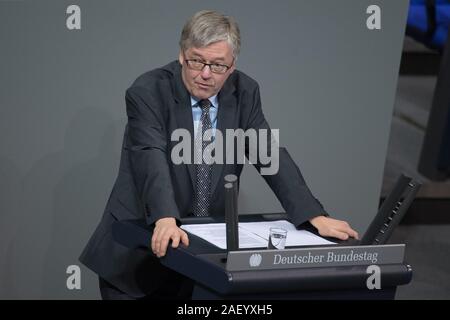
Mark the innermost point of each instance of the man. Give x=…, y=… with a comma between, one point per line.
x=199, y=92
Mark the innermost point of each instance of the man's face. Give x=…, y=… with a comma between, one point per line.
x=204, y=83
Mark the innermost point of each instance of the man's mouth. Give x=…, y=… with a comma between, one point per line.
x=203, y=86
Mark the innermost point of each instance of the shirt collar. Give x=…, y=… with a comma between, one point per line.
x=214, y=101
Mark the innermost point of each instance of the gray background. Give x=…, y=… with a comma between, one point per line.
x=326, y=81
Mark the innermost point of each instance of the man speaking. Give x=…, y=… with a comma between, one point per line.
x=203, y=93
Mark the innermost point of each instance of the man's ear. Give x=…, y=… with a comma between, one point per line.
x=181, y=58
x=233, y=67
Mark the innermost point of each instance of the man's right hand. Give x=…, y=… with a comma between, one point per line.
x=166, y=229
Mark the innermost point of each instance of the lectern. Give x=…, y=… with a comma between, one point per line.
x=215, y=278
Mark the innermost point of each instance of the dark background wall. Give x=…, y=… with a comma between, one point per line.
x=326, y=81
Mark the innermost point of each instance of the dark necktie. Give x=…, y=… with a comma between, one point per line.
x=203, y=170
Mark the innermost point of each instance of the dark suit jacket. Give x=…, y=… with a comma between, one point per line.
x=149, y=185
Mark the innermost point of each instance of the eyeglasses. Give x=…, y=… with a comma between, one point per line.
x=198, y=65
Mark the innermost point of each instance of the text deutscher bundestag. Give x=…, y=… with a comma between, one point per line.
x=330, y=257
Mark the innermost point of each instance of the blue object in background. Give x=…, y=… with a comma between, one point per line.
x=428, y=22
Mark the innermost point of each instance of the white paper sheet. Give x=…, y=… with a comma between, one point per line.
x=254, y=234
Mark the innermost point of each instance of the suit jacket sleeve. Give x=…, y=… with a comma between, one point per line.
x=148, y=149
x=288, y=183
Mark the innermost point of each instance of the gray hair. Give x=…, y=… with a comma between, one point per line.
x=206, y=27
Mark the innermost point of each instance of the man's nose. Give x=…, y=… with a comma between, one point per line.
x=206, y=72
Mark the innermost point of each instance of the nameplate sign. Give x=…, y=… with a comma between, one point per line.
x=315, y=257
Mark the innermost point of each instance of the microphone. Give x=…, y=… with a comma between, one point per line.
x=231, y=212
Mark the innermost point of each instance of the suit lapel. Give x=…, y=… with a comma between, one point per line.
x=183, y=114
x=225, y=120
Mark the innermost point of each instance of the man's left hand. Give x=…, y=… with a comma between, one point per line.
x=329, y=227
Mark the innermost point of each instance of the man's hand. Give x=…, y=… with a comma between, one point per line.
x=329, y=227
x=166, y=229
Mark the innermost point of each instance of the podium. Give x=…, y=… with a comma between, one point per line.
x=206, y=265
